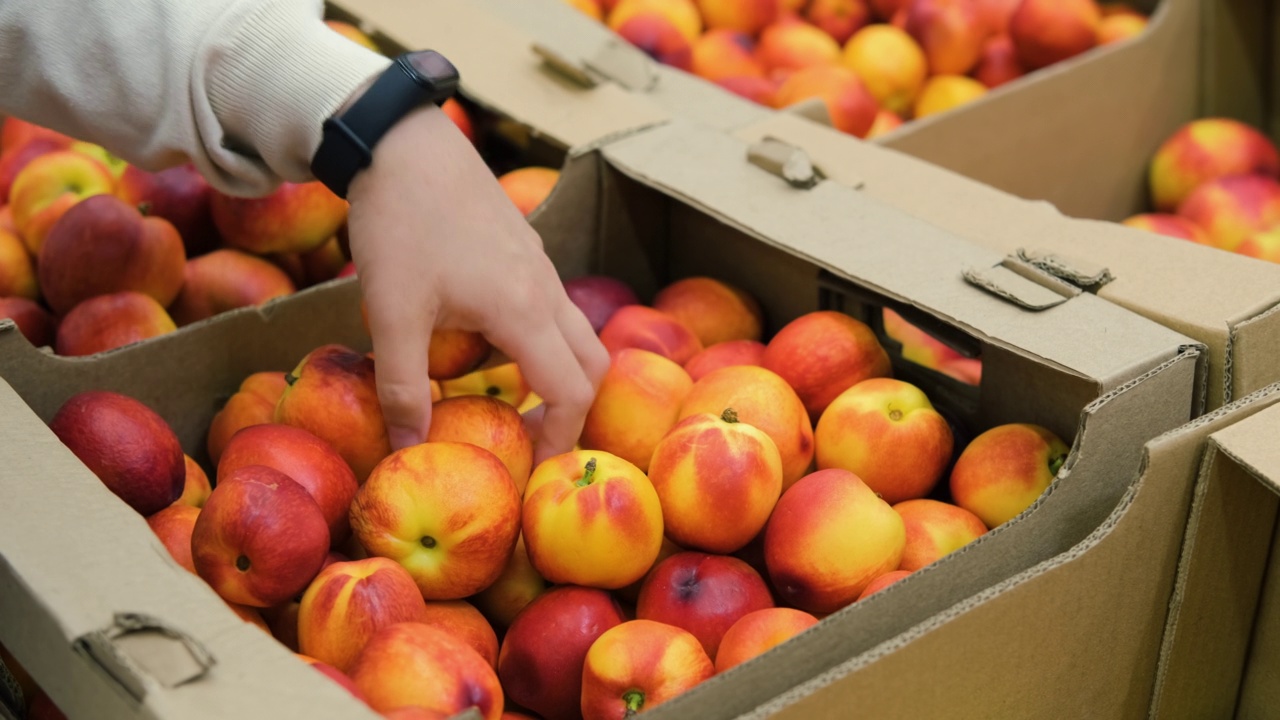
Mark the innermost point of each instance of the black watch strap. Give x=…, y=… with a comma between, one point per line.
x=348, y=139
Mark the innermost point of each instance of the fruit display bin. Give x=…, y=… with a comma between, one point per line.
x=111, y=627
x=1035, y=136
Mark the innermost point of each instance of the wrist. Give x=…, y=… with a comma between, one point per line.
x=350, y=136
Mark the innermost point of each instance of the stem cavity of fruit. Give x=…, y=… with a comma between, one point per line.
x=493, y=391
x=635, y=702
x=242, y=563
x=589, y=473
x=1055, y=463
x=428, y=542
x=144, y=208
x=729, y=415
x=895, y=415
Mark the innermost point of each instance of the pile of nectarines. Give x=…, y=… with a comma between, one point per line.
x=727, y=493
x=1214, y=182
x=96, y=253
x=874, y=63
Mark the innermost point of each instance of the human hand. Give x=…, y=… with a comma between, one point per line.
x=438, y=244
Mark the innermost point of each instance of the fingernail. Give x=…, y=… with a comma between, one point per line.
x=402, y=438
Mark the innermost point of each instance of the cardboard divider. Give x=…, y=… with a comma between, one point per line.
x=186, y=381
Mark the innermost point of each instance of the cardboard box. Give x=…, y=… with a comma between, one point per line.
x=1080, y=635
x=557, y=100
x=1225, y=301
x=1099, y=116
x=670, y=202
x=92, y=604
x=1221, y=649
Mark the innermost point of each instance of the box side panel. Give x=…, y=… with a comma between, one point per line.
x=1260, y=692
x=1237, y=48
x=1213, y=607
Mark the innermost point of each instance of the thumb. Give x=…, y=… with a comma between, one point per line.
x=404, y=390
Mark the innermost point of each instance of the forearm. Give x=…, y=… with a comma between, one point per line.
x=240, y=87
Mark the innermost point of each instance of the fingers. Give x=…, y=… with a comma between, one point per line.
x=404, y=390
x=584, y=342
x=554, y=372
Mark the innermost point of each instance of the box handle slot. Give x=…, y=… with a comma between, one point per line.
x=136, y=646
x=1080, y=273
x=612, y=62
x=785, y=161
x=1022, y=284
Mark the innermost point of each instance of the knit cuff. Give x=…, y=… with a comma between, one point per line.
x=276, y=77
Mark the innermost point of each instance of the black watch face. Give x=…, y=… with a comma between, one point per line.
x=432, y=66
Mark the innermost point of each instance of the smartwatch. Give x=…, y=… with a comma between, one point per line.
x=346, y=146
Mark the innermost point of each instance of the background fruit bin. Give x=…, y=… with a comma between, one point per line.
x=1033, y=137
x=649, y=209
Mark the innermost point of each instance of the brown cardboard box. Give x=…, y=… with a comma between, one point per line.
x=1098, y=116
x=92, y=605
x=1079, y=635
x=1228, y=302
x=1222, y=649
x=666, y=203
x=561, y=106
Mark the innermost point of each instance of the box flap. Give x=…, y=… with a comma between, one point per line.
x=855, y=237
x=558, y=25
x=1201, y=292
x=1225, y=553
x=501, y=71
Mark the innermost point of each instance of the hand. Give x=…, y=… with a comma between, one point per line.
x=438, y=244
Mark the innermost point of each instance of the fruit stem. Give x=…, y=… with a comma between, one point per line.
x=634, y=700
x=290, y=379
x=1055, y=463
x=589, y=473
x=144, y=207
x=729, y=415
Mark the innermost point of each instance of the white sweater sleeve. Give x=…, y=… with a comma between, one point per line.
x=239, y=87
